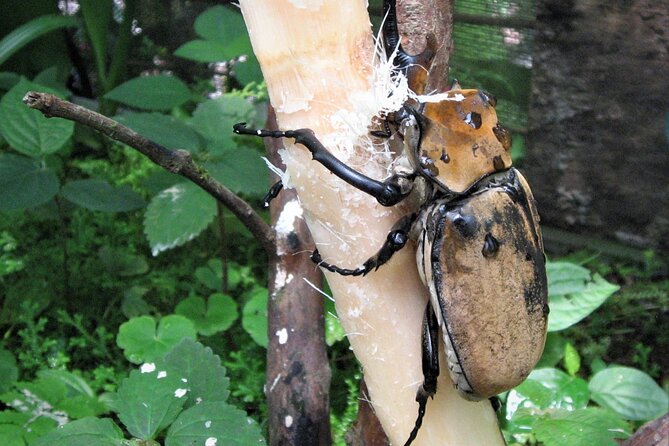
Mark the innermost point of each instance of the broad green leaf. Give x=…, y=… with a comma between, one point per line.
x=84, y=432
x=55, y=78
x=566, y=278
x=572, y=360
x=150, y=399
x=220, y=24
x=204, y=51
x=546, y=389
x=23, y=428
x=120, y=262
x=8, y=80
x=177, y=215
x=206, y=380
x=163, y=129
x=216, y=423
x=99, y=195
x=211, y=275
x=584, y=427
x=243, y=171
x=213, y=316
x=27, y=130
x=65, y=394
x=553, y=351
x=24, y=182
x=214, y=119
x=151, y=92
x=26, y=33
x=573, y=294
x=254, y=316
x=9, y=373
x=629, y=392
x=141, y=341
x=248, y=71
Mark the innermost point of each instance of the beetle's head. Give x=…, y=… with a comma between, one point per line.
x=460, y=140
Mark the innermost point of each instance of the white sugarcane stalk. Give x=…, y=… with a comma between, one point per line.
x=317, y=58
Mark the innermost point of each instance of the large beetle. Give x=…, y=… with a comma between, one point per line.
x=479, y=246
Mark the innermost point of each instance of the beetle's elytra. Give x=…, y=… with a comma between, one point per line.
x=479, y=246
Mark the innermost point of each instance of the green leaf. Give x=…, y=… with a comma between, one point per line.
x=566, y=278
x=120, y=262
x=584, y=427
x=248, y=71
x=243, y=171
x=8, y=80
x=23, y=428
x=545, y=389
x=214, y=119
x=151, y=92
x=150, y=399
x=220, y=24
x=30, y=31
x=9, y=373
x=629, y=392
x=141, y=341
x=572, y=360
x=163, y=129
x=216, y=423
x=27, y=130
x=213, y=316
x=254, y=316
x=553, y=351
x=206, y=380
x=25, y=183
x=177, y=215
x=84, y=432
x=133, y=303
x=99, y=195
x=204, y=51
x=211, y=275
x=573, y=295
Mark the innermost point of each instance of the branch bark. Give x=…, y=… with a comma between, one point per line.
x=179, y=162
x=298, y=372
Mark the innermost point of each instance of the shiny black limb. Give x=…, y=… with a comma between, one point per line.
x=272, y=194
x=391, y=37
x=387, y=193
x=397, y=238
x=430, y=354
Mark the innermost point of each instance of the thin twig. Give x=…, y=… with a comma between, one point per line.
x=179, y=162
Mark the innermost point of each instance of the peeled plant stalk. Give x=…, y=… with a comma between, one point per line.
x=317, y=57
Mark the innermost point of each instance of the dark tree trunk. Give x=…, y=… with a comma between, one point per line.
x=598, y=157
x=298, y=372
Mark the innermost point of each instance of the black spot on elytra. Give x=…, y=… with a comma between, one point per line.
x=444, y=157
x=490, y=246
x=466, y=225
x=473, y=120
x=503, y=136
x=497, y=163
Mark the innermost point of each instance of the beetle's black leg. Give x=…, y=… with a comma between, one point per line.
x=272, y=193
x=385, y=133
x=430, y=354
x=391, y=37
x=397, y=238
x=388, y=192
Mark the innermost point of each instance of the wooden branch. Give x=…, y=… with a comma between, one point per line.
x=298, y=373
x=179, y=162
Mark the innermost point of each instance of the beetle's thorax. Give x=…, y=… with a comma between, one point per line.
x=461, y=141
